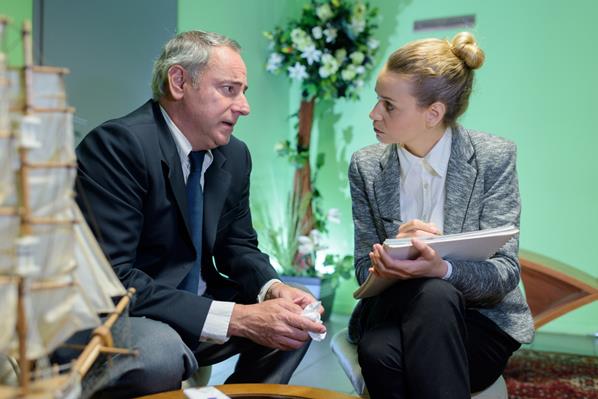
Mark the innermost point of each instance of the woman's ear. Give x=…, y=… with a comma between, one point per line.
x=435, y=114
x=176, y=81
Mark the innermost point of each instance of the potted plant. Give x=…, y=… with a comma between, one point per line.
x=329, y=50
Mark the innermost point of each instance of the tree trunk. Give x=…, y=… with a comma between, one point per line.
x=302, y=182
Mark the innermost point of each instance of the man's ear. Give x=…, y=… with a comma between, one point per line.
x=435, y=114
x=176, y=80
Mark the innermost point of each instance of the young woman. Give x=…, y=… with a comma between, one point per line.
x=446, y=328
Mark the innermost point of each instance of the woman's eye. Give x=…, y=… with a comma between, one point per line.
x=388, y=106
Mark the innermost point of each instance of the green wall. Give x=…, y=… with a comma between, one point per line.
x=17, y=11
x=536, y=88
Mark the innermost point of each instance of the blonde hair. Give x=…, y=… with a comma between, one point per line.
x=440, y=71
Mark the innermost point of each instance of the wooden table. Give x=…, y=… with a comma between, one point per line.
x=268, y=391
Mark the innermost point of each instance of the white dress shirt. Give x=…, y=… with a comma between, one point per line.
x=422, y=184
x=219, y=314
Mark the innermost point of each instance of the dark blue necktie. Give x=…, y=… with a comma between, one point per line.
x=192, y=281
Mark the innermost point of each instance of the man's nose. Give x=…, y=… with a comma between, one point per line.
x=242, y=105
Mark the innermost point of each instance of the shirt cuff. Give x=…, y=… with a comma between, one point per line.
x=449, y=270
x=261, y=297
x=217, y=321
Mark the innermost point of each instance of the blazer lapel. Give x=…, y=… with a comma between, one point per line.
x=216, y=184
x=387, y=190
x=171, y=167
x=460, y=180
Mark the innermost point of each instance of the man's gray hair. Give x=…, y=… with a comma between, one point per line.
x=191, y=50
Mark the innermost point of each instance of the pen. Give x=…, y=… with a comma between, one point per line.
x=398, y=222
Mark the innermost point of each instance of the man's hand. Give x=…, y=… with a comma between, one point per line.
x=295, y=295
x=276, y=323
x=428, y=264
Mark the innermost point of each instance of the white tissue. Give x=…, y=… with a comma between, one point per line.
x=311, y=312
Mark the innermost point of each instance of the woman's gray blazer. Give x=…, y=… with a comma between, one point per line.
x=481, y=192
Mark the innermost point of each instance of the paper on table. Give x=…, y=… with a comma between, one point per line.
x=473, y=245
x=205, y=393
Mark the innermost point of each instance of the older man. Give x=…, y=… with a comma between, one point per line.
x=166, y=189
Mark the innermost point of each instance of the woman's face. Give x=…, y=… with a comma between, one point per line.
x=396, y=116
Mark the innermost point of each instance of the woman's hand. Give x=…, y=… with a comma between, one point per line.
x=417, y=228
x=427, y=264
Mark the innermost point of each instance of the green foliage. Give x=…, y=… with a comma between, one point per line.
x=282, y=233
x=342, y=266
x=294, y=253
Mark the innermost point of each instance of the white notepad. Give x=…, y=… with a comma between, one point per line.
x=474, y=246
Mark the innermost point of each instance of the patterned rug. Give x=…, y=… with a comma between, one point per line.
x=547, y=375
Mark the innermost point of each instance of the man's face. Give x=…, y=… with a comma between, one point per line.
x=213, y=104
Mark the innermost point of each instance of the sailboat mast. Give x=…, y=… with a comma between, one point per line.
x=25, y=213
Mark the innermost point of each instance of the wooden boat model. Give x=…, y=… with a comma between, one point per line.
x=54, y=278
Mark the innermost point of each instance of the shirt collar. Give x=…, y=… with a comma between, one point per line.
x=435, y=161
x=439, y=156
x=183, y=145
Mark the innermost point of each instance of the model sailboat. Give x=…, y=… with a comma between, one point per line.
x=54, y=278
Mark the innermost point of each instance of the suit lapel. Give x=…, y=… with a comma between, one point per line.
x=216, y=185
x=171, y=167
x=460, y=181
x=216, y=182
x=387, y=190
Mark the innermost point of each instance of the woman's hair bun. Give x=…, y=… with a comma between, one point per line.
x=466, y=48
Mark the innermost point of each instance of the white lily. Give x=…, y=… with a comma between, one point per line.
x=274, y=62
x=297, y=71
x=330, y=34
x=311, y=54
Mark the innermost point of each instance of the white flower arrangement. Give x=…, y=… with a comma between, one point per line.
x=329, y=49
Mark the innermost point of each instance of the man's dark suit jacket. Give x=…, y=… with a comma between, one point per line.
x=131, y=189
